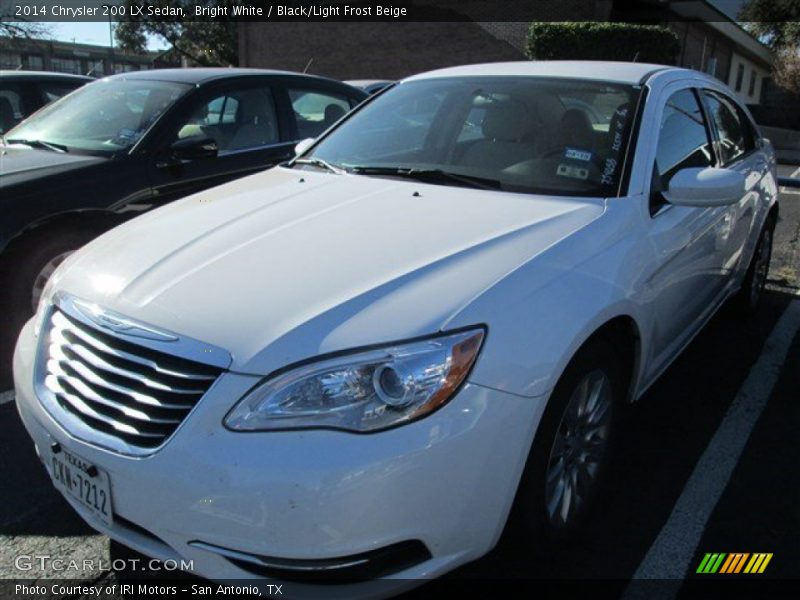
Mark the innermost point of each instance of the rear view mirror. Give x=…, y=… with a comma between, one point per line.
x=192, y=148
x=705, y=187
x=302, y=146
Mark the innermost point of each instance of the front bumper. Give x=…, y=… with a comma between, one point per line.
x=447, y=480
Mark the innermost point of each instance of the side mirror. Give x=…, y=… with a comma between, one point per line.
x=195, y=147
x=703, y=187
x=302, y=146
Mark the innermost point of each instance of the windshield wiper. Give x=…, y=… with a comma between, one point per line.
x=39, y=144
x=318, y=162
x=431, y=175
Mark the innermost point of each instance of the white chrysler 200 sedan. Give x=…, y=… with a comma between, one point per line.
x=357, y=364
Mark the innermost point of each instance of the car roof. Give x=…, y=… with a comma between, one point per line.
x=43, y=75
x=619, y=72
x=200, y=75
x=366, y=82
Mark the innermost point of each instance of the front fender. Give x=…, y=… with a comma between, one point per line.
x=540, y=315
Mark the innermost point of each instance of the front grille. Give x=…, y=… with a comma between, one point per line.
x=118, y=387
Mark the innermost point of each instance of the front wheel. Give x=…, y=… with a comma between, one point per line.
x=567, y=461
x=33, y=263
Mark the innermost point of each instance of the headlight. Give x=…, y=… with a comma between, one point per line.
x=362, y=391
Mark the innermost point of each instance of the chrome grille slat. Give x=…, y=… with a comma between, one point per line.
x=62, y=323
x=52, y=383
x=92, y=377
x=95, y=361
x=110, y=383
x=89, y=394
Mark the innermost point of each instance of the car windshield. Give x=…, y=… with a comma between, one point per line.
x=103, y=117
x=524, y=134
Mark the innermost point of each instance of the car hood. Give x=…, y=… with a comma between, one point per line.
x=23, y=163
x=288, y=264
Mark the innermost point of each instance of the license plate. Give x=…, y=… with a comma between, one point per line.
x=82, y=481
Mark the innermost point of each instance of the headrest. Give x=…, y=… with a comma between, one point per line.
x=505, y=121
x=333, y=112
x=576, y=128
x=6, y=114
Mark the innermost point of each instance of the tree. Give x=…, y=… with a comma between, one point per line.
x=23, y=29
x=206, y=43
x=777, y=24
x=601, y=41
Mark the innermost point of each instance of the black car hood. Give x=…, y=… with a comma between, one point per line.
x=20, y=162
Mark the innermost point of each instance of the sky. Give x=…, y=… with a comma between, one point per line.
x=91, y=33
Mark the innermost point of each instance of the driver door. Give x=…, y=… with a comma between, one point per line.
x=242, y=120
x=689, y=242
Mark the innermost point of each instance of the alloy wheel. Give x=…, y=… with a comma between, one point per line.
x=581, y=441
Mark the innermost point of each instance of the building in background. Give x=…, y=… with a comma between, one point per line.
x=710, y=40
x=78, y=59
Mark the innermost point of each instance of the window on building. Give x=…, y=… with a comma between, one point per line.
x=124, y=67
x=315, y=111
x=683, y=139
x=95, y=67
x=711, y=66
x=739, y=77
x=236, y=120
x=735, y=135
x=65, y=65
x=35, y=62
x=10, y=60
x=752, y=89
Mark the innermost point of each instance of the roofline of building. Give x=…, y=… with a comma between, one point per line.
x=718, y=20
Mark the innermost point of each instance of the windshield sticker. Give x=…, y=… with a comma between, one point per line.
x=577, y=154
x=610, y=165
x=572, y=171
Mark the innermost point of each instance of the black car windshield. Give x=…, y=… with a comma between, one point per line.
x=527, y=134
x=103, y=117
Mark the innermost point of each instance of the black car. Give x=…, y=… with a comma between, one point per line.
x=371, y=86
x=22, y=93
x=134, y=141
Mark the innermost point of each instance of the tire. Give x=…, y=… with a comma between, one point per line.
x=748, y=299
x=549, y=524
x=30, y=264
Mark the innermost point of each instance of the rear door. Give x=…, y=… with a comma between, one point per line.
x=312, y=106
x=244, y=120
x=738, y=149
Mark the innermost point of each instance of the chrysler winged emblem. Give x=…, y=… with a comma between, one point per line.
x=121, y=325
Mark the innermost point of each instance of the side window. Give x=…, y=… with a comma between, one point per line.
x=51, y=92
x=236, y=120
x=735, y=138
x=11, y=110
x=683, y=139
x=315, y=111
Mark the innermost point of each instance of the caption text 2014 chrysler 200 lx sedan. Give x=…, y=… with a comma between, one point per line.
x=357, y=364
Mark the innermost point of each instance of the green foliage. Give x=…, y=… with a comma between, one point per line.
x=775, y=22
x=602, y=41
x=205, y=43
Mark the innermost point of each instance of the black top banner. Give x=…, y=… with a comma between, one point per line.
x=645, y=11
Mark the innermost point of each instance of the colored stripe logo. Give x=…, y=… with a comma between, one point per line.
x=736, y=562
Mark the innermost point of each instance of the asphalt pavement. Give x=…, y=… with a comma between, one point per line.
x=707, y=463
